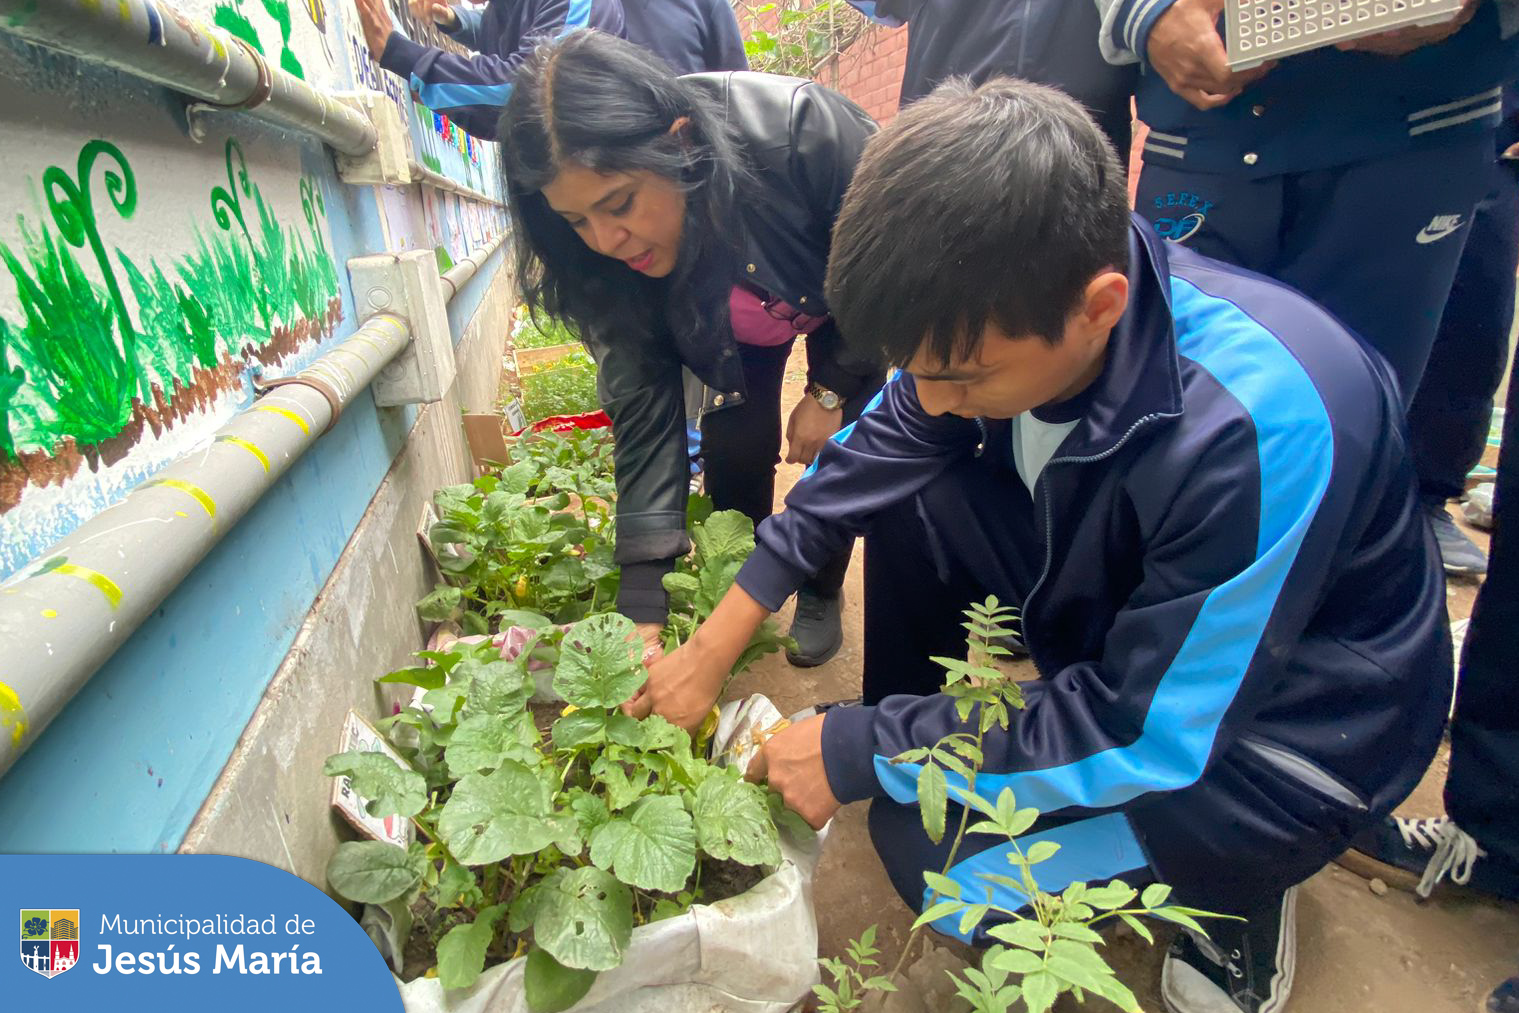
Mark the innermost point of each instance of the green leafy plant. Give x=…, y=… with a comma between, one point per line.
x=577, y=461
x=720, y=544
x=502, y=550
x=565, y=386
x=550, y=846
x=1046, y=944
x=542, y=331
x=798, y=37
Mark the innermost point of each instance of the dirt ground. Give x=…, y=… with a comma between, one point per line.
x=1358, y=951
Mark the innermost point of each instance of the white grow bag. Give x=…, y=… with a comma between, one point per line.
x=754, y=953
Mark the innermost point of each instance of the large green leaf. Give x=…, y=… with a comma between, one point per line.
x=372, y=872
x=442, y=603
x=496, y=686
x=493, y=816
x=726, y=535
x=599, y=662
x=583, y=918
x=580, y=728
x=733, y=822
x=550, y=986
x=932, y=798
x=461, y=952
x=390, y=789
x=485, y=741
x=652, y=846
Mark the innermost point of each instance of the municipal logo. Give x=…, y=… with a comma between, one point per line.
x=1438, y=228
x=49, y=940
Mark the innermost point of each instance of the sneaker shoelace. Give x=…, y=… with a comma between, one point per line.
x=811, y=607
x=1453, y=851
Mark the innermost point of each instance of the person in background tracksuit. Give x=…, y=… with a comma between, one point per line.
x=1049, y=42
x=1350, y=173
x=1452, y=412
x=693, y=36
x=471, y=91
x=1193, y=481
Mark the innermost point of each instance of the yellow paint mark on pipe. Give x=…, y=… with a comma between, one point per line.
x=105, y=585
x=124, y=10
x=287, y=413
x=180, y=513
x=249, y=446
x=12, y=714
x=195, y=492
x=50, y=613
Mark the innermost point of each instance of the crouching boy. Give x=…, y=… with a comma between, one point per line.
x=1193, y=482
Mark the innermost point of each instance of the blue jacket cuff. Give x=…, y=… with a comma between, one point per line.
x=849, y=753
x=768, y=579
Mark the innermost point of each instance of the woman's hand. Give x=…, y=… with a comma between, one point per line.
x=441, y=14
x=374, y=19
x=808, y=429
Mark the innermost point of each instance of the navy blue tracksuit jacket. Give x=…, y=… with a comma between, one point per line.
x=472, y=91
x=1240, y=626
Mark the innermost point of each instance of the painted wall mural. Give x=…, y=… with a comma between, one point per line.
x=144, y=277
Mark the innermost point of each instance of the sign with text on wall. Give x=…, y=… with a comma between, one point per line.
x=179, y=932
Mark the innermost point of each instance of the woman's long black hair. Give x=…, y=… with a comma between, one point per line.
x=609, y=105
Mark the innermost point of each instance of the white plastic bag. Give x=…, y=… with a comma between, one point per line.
x=754, y=953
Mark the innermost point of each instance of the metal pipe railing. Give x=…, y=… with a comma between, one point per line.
x=441, y=182
x=154, y=41
x=83, y=598
x=458, y=276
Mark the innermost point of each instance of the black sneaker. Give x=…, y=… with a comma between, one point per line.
x=1503, y=999
x=1458, y=553
x=1245, y=966
x=1416, y=854
x=818, y=628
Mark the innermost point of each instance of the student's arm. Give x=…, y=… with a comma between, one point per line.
x=828, y=135
x=723, y=44
x=465, y=28
x=1226, y=593
x=894, y=450
x=473, y=90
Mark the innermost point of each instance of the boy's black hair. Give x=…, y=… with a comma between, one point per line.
x=995, y=204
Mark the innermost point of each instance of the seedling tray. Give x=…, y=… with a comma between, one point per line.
x=1261, y=30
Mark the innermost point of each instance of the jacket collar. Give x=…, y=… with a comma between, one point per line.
x=1142, y=378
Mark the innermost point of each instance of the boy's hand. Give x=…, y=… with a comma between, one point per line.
x=374, y=18
x=1402, y=41
x=1185, y=48
x=441, y=14
x=791, y=762
x=682, y=688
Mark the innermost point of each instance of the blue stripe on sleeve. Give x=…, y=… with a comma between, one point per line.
x=844, y=434
x=868, y=8
x=1295, y=449
x=455, y=96
x=578, y=17
x=1091, y=851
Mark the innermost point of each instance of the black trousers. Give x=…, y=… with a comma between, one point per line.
x=1448, y=420
x=1482, y=792
x=741, y=445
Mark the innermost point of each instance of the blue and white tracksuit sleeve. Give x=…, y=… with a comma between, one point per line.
x=1186, y=662
x=890, y=452
x=471, y=91
x=1126, y=24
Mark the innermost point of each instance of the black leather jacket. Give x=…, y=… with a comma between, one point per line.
x=802, y=142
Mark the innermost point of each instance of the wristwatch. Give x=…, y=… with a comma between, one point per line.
x=825, y=397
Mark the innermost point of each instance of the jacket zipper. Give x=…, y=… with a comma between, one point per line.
x=1049, y=547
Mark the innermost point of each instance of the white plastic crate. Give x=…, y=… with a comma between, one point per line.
x=1261, y=30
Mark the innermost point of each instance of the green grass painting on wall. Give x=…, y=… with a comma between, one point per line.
x=87, y=364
